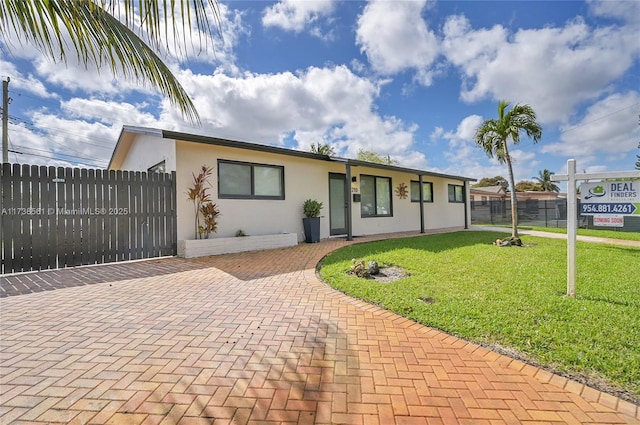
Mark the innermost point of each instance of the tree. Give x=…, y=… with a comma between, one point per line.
x=528, y=186
x=98, y=37
x=493, y=181
x=544, y=180
x=323, y=149
x=371, y=156
x=493, y=137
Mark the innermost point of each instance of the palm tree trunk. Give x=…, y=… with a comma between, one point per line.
x=514, y=199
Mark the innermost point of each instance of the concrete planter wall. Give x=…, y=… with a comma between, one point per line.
x=216, y=246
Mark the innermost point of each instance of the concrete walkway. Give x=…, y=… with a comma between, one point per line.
x=254, y=338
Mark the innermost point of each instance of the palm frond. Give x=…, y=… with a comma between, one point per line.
x=99, y=38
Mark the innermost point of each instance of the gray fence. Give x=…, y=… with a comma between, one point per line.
x=60, y=217
x=550, y=213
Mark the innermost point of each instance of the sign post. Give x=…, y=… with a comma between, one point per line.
x=618, y=198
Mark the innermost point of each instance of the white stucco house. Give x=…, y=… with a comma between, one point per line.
x=260, y=189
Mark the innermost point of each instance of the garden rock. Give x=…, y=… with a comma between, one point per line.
x=374, y=268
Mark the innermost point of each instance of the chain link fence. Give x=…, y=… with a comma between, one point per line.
x=541, y=213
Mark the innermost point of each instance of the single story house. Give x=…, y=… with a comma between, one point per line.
x=487, y=193
x=260, y=189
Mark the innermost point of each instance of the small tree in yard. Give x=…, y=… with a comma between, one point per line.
x=493, y=137
x=199, y=195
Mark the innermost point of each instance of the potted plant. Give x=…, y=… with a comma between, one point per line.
x=311, y=221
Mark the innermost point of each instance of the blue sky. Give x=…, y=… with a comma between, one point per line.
x=409, y=79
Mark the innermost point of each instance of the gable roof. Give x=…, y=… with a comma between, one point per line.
x=128, y=133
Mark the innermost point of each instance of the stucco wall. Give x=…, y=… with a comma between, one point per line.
x=406, y=214
x=304, y=178
x=147, y=151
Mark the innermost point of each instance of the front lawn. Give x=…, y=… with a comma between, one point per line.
x=514, y=298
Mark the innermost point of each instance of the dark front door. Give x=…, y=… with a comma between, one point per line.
x=337, y=204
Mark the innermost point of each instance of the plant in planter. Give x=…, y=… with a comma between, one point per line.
x=202, y=205
x=210, y=213
x=311, y=221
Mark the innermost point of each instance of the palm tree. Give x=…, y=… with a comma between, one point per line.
x=544, y=180
x=98, y=37
x=323, y=149
x=494, y=134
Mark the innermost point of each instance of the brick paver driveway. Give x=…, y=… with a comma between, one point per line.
x=255, y=338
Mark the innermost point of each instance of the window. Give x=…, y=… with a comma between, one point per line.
x=483, y=200
x=242, y=180
x=456, y=193
x=375, y=196
x=427, y=191
x=160, y=167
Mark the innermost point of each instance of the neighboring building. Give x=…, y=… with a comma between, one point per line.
x=260, y=189
x=487, y=193
x=539, y=196
x=482, y=195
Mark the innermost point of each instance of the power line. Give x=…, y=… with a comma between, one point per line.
x=57, y=154
x=55, y=159
x=599, y=118
x=34, y=127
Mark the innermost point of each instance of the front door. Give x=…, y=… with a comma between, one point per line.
x=337, y=204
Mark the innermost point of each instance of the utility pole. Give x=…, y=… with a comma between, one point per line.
x=5, y=120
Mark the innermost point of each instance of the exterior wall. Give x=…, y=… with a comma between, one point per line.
x=438, y=214
x=146, y=151
x=303, y=179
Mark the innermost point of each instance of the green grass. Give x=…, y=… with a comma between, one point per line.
x=514, y=298
x=611, y=234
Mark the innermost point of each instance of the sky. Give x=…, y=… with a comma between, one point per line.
x=409, y=79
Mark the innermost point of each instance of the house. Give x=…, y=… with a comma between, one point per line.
x=487, y=193
x=260, y=189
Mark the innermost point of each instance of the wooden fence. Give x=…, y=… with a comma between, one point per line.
x=54, y=217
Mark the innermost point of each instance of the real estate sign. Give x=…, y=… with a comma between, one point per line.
x=608, y=220
x=618, y=198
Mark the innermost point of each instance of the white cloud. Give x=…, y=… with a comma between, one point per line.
x=296, y=16
x=326, y=105
x=467, y=159
x=28, y=83
x=628, y=11
x=99, y=79
x=395, y=38
x=553, y=69
x=608, y=130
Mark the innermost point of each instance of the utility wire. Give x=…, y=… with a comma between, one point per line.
x=56, y=153
x=55, y=159
x=24, y=130
x=598, y=119
x=34, y=127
